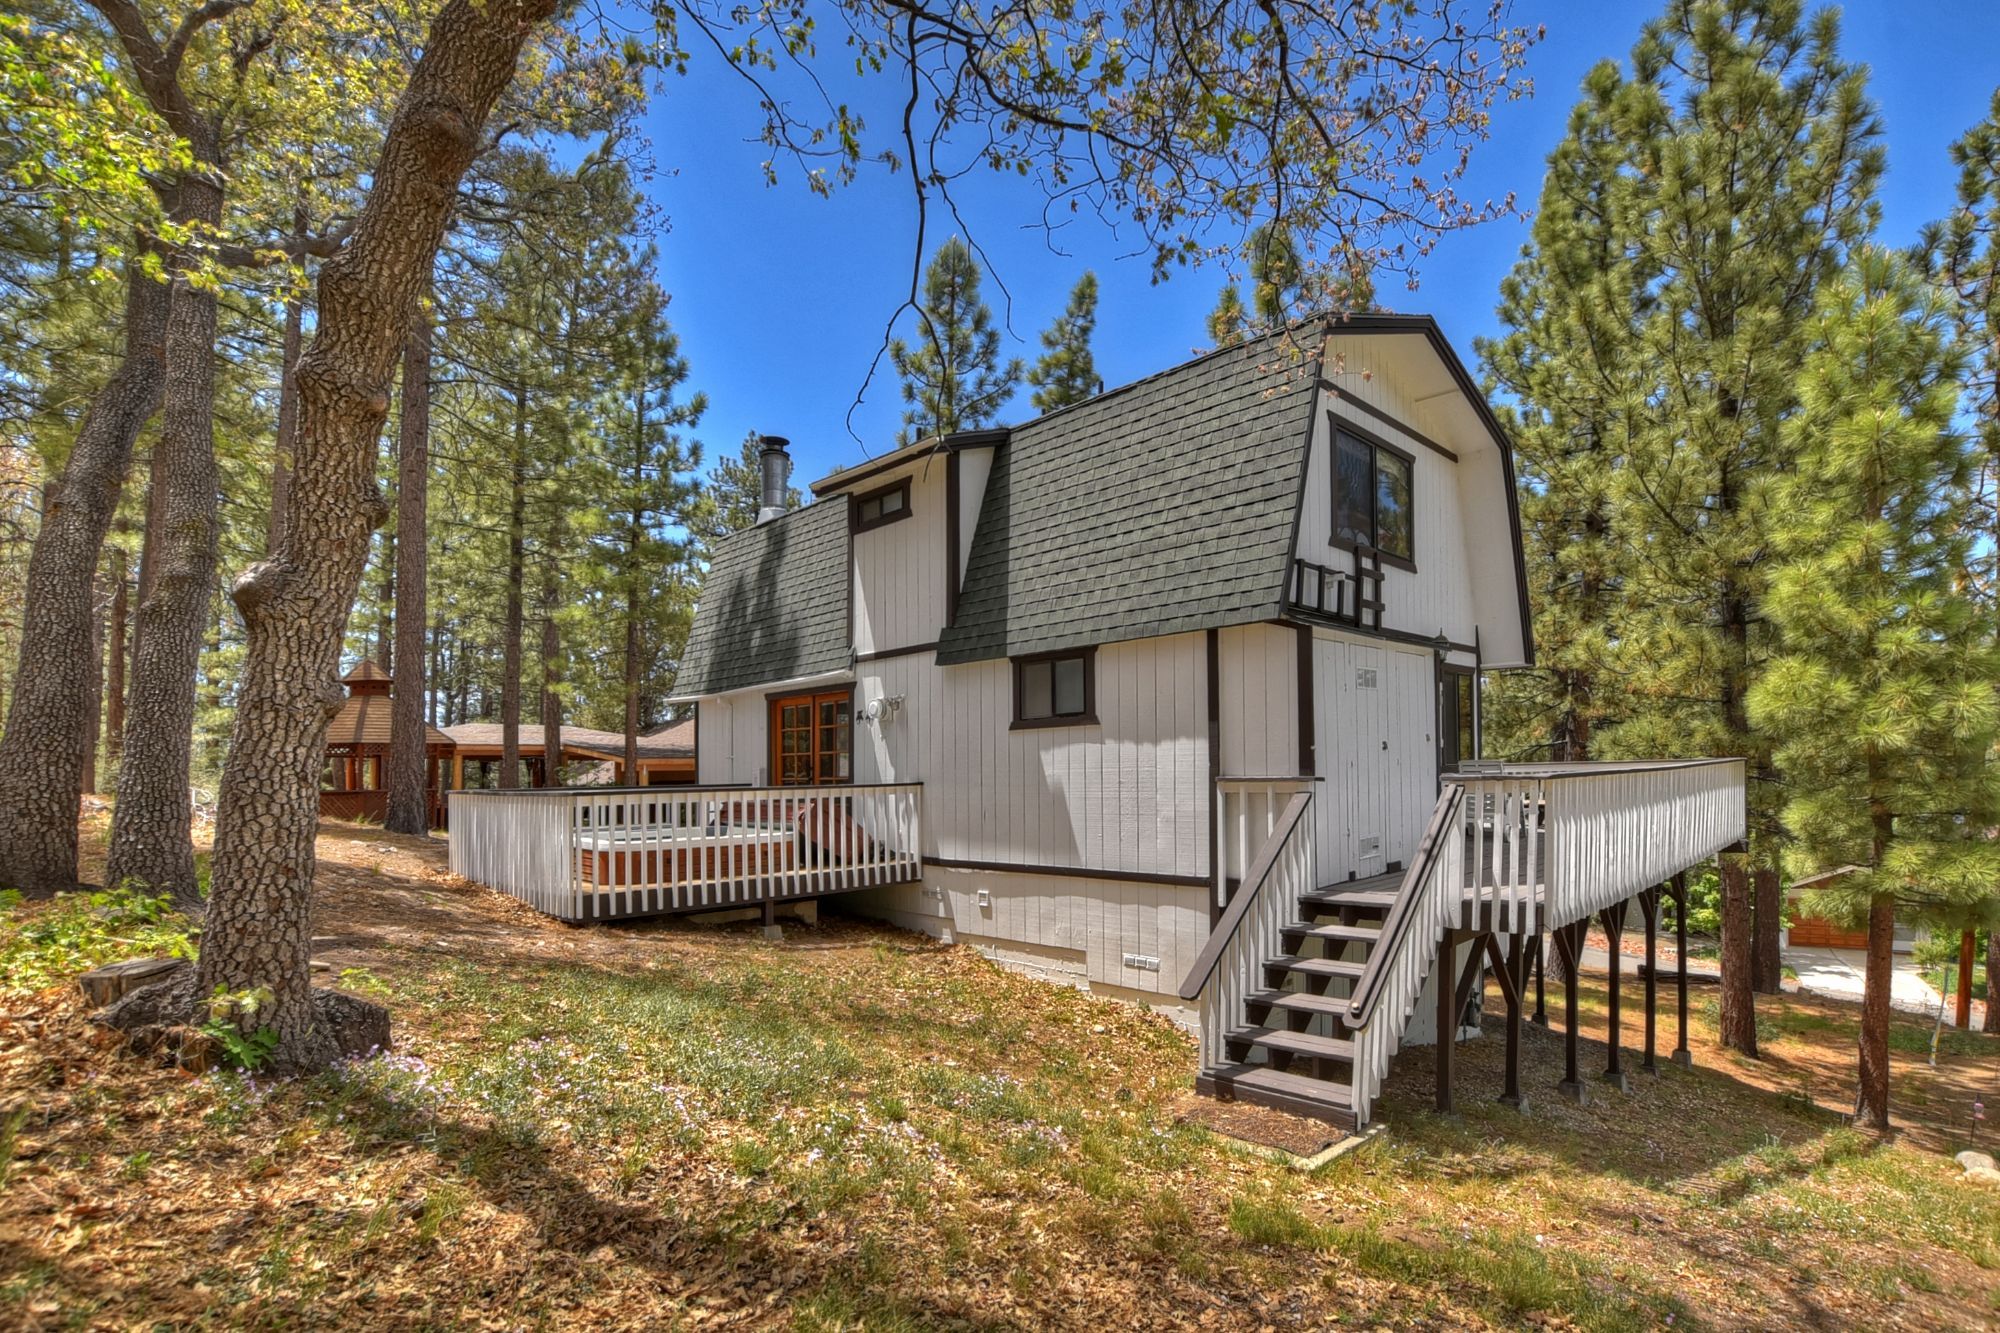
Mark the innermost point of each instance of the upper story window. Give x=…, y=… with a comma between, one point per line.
x=1056, y=689
x=1373, y=503
x=884, y=506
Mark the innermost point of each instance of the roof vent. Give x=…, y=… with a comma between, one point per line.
x=777, y=465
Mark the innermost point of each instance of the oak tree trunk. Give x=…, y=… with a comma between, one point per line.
x=1739, y=1004
x=114, y=670
x=41, y=752
x=1872, y=1105
x=1768, y=972
x=295, y=605
x=151, y=843
x=409, y=797
x=94, y=727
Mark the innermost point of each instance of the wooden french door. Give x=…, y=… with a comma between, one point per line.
x=812, y=739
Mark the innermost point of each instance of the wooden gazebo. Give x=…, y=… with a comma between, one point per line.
x=354, y=784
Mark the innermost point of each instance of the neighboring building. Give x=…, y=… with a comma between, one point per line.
x=666, y=755
x=354, y=782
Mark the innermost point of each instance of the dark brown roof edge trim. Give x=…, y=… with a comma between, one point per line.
x=846, y=478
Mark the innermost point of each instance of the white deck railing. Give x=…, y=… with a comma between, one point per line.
x=593, y=853
x=1250, y=932
x=1548, y=844
x=1246, y=812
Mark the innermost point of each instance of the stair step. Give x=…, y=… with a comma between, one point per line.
x=1343, y=934
x=1330, y=968
x=1260, y=1085
x=1294, y=1043
x=1378, y=898
x=1297, y=1002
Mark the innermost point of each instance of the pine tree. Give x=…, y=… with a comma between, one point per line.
x=1963, y=252
x=1743, y=164
x=953, y=379
x=1229, y=322
x=1571, y=376
x=1066, y=373
x=1881, y=698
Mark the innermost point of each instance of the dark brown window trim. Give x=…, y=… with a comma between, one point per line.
x=1087, y=718
x=1402, y=427
x=1393, y=561
x=1337, y=427
x=859, y=524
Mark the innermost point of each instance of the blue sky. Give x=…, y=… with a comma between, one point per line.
x=780, y=297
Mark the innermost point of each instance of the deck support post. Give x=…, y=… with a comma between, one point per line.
x=1568, y=942
x=1649, y=907
x=1613, y=920
x=1682, y=1056
x=1446, y=976
x=772, y=930
x=1541, y=1015
x=1512, y=973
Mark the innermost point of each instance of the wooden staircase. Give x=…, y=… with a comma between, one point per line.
x=1291, y=1050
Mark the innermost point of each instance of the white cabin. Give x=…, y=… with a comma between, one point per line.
x=1129, y=679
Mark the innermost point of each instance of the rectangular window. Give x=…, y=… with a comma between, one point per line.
x=1457, y=729
x=812, y=739
x=1373, y=497
x=1056, y=689
x=884, y=506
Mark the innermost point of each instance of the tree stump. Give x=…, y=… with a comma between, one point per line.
x=113, y=980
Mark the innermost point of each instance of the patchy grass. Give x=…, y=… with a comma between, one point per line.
x=667, y=1124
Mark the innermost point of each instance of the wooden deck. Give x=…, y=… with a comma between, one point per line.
x=1306, y=988
x=597, y=854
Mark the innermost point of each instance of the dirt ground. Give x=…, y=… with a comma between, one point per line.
x=664, y=1124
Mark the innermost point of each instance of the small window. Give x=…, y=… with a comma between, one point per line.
x=1055, y=689
x=1373, y=497
x=883, y=506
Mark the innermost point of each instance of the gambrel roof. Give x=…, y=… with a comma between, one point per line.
x=1158, y=508
x=774, y=606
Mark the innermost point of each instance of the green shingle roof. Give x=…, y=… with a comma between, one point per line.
x=1159, y=508
x=774, y=605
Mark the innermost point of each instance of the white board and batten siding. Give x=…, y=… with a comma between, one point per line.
x=1127, y=795
x=1259, y=701
x=900, y=568
x=1440, y=594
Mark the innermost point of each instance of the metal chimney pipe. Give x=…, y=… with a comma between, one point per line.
x=777, y=465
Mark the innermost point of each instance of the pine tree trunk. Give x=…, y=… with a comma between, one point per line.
x=114, y=671
x=511, y=629
x=1739, y=1004
x=1992, y=1023
x=295, y=606
x=385, y=598
x=288, y=404
x=1768, y=972
x=151, y=843
x=631, y=778
x=551, y=700
x=1872, y=1106
x=409, y=795
x=41, y=751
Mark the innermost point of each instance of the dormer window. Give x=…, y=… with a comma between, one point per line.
x=884, y=506
x=1373, y=497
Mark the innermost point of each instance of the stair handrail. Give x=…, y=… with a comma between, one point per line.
x=1431, y=897
x=1445, y=819
x=1226, y=926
